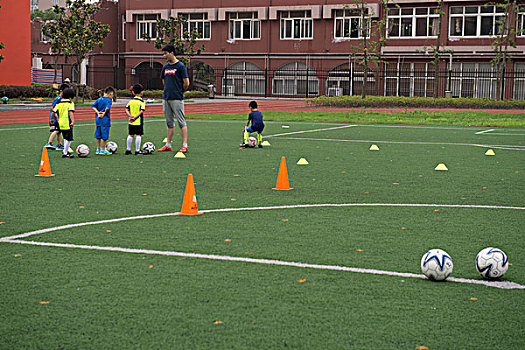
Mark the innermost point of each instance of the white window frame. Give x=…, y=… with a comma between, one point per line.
x=520, y=22
x=302, y=20
x=347, y=18
x=146, y=24
x=480, y=14
x=410, y=79
x=123, y=27
x=197, y=21
x=412, y=16
x=242, y=27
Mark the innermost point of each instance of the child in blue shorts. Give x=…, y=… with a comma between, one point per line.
x=102, y=108
x=257, y=126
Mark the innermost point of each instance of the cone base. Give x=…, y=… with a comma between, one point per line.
x=282, y=189
x=189, y=214
x=45, y=175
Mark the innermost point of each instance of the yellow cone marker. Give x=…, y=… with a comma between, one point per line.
x=265, y=143
x=441, y=166
x=180, y=155
x=490, y=152
x=302, y=161
x=165, y=140
x=374, y=148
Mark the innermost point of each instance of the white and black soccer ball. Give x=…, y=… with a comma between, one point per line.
x=492, y=263
x=82, y=150
x=252, y=142
x=436, y=264
x=112, y=147
x=148, y=148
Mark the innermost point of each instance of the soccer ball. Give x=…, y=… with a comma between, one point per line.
x=112, y=147
x=491, y=263
x=252, y=142
x=82, y=150
x=148, y=148
x=436, y=264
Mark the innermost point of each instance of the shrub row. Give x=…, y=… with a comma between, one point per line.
x=415, y=102
x=43, y=90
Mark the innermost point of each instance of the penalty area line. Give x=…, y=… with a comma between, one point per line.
x=495, y=284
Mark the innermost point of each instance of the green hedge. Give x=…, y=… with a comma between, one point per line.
x=415, y=102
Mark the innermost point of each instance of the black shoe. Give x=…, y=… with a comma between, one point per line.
x=127, y=152
x=137, y=153
x=243, y=145
x=68, y=156
x=260, y=146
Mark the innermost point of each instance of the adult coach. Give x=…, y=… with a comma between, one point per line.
x=174, y=76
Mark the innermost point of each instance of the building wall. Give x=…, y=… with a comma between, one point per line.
x=15, y=69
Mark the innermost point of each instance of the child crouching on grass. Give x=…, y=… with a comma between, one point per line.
x=135, y=110
x=257, y=126
x=64, y=113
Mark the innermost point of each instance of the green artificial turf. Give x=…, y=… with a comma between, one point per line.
x=104, y=299
x=470, y=118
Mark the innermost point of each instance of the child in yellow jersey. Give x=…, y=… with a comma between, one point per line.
x=64, y=113
x=135, y=110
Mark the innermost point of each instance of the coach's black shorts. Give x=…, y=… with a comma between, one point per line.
x=136, y=129
x=67, y=134
x=54, y=127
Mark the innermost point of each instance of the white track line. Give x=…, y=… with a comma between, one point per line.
x=502, y=285
x=508, y=147
x=496, y=284
x=484, y=131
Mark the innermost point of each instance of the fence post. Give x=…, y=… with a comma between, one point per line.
x=265, y=82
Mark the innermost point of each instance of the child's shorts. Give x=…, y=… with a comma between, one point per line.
x=67, y=134
x=135, y=130
x=249, y=129
x=54, y=127
x=102, y=132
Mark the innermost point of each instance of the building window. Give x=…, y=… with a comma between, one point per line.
x=348, y=24
x=147, y=25
x=295, y=78
x=520, y=24
x=477, y=80
x=475, y=21
x=244, y=26
x=197, y=22
x=243, y=78
x=413, y=22
x=297, y=24
x=123, y=27
x=409, y=79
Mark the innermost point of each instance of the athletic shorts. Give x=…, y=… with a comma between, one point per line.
x=249, y=129
x=135, y=129
x=54, y=127
x=102, y=132
x=67, y=134
x=174, y=109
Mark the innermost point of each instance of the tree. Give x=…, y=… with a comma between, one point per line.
x=47, y=15
x=435, y=51
x=175, y=31
x=370, y=50
x=504, y=37
x=55, y=33
x=75, y=32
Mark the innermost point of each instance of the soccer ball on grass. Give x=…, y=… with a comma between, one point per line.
x=82, y=150
x=148, y=148
x=112, y=147
x=436, y=264
x=252, y=142
x=491, y=263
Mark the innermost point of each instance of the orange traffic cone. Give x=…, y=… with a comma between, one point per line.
x=45, y=166
x=189, y=202
x=282, y=178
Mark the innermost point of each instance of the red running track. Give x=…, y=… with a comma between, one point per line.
x=217, y=106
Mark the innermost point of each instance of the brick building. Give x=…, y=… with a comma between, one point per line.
x=303, y=48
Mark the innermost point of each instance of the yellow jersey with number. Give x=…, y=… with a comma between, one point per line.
x=134, y=106
x=62, y=110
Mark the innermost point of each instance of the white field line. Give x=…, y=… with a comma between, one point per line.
x=496, y=284
x=295, y=206
x=314, y=130
x=508, y=147
x=502, y=285
x=484, y=131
